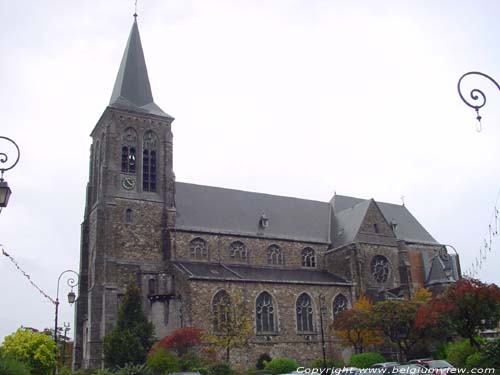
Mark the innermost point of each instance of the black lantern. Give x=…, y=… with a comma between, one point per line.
x=4, y=193
x=71, y=297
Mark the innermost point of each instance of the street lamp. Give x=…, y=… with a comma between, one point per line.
x=71, y=282
x=477, y=96
x=5, y=191
x=322, y=310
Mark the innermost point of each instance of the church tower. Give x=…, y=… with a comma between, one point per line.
x=129, y=210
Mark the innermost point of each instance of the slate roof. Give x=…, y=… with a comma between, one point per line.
x=408, y=228
x=220, y=210
x=346, y=223
x=218, y=271
x=132, y=90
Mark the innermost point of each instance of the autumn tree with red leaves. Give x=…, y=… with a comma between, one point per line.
x=180, y=340
x=468, y=306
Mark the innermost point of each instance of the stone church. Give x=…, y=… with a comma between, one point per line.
x=295, y=262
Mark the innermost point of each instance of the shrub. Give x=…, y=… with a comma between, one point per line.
x=459, y=351
x=474, y=360
x=261, y=361
x=12, y=366
x=189, y=361
x=281, y=365
x=133, y=369
x=491, y=353
x=365, y=360
x=36, y=350
x=222, y=368
x=162, y=362
x=181, y=340
x=318, y=363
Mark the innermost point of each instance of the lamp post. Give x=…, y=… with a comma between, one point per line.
x=322, y=310
x=5, y=191
x=478, y=98
x=71, y=282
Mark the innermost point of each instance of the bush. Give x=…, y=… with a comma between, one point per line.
x=491, y=353
x=162, y=362
x=222, y=368
x=281, y=365
x=261, y=361
x=12, y=366
x=318, y=363
x=474, y=361
x=34, y=349
x=133, y=369
x=459, y=351
x=181, y=340
x=189, y=361
x=365, y=360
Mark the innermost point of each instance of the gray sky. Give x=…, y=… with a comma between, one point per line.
x=297, y=98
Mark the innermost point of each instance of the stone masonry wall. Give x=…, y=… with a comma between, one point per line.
x=257, y=249
x=366, y=254
x=287, y=342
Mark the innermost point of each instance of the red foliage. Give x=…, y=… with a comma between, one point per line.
x=180, y=340
x=432, y=313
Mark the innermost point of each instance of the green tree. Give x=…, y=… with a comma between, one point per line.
x=232, y=325
x=133, y=335
x=395, y=319
x=36, y=350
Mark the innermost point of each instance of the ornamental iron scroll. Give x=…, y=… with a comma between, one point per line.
x=4, y=158
x=478, y=97
x=380, y=268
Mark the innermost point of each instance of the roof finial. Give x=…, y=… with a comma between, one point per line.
x=135, y=10
x=403, y=199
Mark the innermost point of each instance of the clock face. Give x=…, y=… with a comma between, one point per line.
x=128, y=183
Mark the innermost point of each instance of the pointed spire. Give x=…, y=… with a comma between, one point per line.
x=132, y=90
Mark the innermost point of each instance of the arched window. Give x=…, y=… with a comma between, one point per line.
x=380, y=268
x=221, y=310
x=149, y=161
x=308, y=257
x=238, y=251
x=304, y=313
x=129, y=148
x=198, y=249
x=274, y=255
x=95, y=170
x=128, y=216
x=340, y=304
x=151, y=286
x=264, y=313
